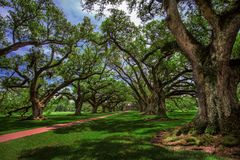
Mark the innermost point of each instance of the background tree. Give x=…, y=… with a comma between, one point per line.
x=45, y=75
x=34, y=22
x=77, y=93
x=120, y=96
x=216, y=74
x=146, y=54
x=131, y=78
x=89, y=63
x=100, y=90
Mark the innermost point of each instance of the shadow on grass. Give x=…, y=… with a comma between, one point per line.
x=123, y=123
x=111, y=148
x=125, y=137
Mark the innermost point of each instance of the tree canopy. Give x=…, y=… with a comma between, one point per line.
x=183, y=50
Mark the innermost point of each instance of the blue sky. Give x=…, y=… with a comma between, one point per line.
x=73, y=11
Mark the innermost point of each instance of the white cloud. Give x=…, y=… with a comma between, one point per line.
x=75, y=13
x=124, y=7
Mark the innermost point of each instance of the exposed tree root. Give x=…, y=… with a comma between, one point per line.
x=226, y=146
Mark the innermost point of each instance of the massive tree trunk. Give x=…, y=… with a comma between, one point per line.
x=215, y=78
x=157, y=100
x=206, y=94
x=227, y=102
x=217, y=98
x=156, y=105
x=151, y=107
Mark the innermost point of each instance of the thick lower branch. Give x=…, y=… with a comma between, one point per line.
x=26, y=108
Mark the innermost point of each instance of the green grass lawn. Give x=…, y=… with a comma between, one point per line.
x=14, y=124
x=124, y=136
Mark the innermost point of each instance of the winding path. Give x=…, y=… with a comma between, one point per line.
x=25, y=133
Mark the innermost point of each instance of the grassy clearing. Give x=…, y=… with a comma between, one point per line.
x=13, y=124
x=126, y=136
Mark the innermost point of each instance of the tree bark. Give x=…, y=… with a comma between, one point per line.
x=227, y=101
x=216, y=81
x=37, y=109
x=217, y=89
x=217, y=101
x=156, y=103
x=206, y=95
x=79, y=100
x=151, y=106
x=37, y=105
x=78, y=107
x=161, y=110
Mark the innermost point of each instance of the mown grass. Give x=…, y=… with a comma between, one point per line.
x=125, y=136
x=14, y=124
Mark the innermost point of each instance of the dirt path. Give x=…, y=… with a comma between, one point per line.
x=21, y=134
